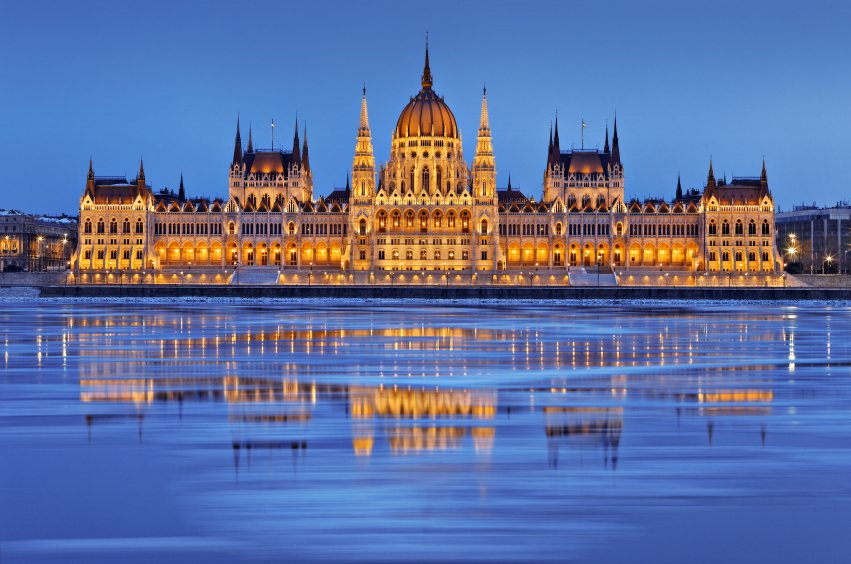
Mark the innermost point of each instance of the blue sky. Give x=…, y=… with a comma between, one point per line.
x=165, y=80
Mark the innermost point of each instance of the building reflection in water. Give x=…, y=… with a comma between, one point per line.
x=408, y=420
x=584, y=428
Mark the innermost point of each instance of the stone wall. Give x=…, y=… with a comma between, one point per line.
x=703, y=280
x=421, y=278
x=825, y=280
x=31, y=278
x=452, y=293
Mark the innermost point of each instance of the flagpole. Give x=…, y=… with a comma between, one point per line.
x=583, y=134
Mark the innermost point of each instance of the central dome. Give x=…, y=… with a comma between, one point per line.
x=426, y=113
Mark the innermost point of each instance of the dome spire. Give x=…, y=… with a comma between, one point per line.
x=426, y=82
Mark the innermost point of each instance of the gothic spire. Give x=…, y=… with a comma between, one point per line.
x=763, y=177
x=711, y=177
x=550, y=150
x=606, y=146
x=509, y=180
x=679, y=188
x=426, y=82
x=237, y=146
x=296, y=155
x=305, y=161
x=91, y=175
x=347, y=181
x=616, y=152
x=363, y=128
x=141, y=169
x=484, y=123
x=555, y=140
x=181, y=193
x=250, y=146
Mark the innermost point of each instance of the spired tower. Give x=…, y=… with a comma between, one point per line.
x=362, y=196
x=485, y=199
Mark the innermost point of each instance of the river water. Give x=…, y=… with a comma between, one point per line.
x=314, y=432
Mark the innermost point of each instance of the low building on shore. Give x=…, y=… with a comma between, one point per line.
x=31, y=242
x=816, y=240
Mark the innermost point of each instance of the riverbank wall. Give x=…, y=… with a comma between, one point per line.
x=446, y=293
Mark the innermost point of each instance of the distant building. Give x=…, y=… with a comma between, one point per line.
x=818, y=238
x=36, y=242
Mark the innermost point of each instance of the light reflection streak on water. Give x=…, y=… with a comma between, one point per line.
x=524, y=414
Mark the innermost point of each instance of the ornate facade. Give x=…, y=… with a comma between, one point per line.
x=427, y=209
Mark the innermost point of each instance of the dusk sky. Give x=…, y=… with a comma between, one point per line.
x=165, y=81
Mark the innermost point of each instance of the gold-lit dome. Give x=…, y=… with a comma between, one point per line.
x=426, y=113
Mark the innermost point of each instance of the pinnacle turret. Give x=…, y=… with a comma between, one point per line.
x=237, y=146
x=616, y=152
x=181, y=193
x=250, y=145
x=304, y=160
x=296, y=152
x=606, y=146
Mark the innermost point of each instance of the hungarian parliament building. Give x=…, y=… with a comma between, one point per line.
x=426, y=209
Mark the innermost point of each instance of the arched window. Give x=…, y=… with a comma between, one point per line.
x=558, y=228
x=713, y=229
x=450, y=219
x=382, y=221
x=586, y=199
x=423, y=220
x=362, y=225
x=231, y=228
x=765, y=227
x=451, y=254
x=423, y=254
x=619, y=229
x=409, y=255
x=395, y=254
x=725, y=228
x=396, y=219
x=600, y=200
x=438, y=219
x=740, y=230
x=363, y=187
x=291, y=228
x=140, y=226
x=113, y=226
x=752, y=228
x=426, y=184
x=88, y=228
x=409, y=219
x=484, y=226
x=465, y=221
x=439, y=176
x=126, y=227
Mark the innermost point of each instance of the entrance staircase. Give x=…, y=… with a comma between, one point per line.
x=592, y=276
x=255, y=277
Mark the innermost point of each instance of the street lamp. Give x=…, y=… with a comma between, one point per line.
x=38, y=252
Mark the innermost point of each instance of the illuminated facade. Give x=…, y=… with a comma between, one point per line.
x=427, y=209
